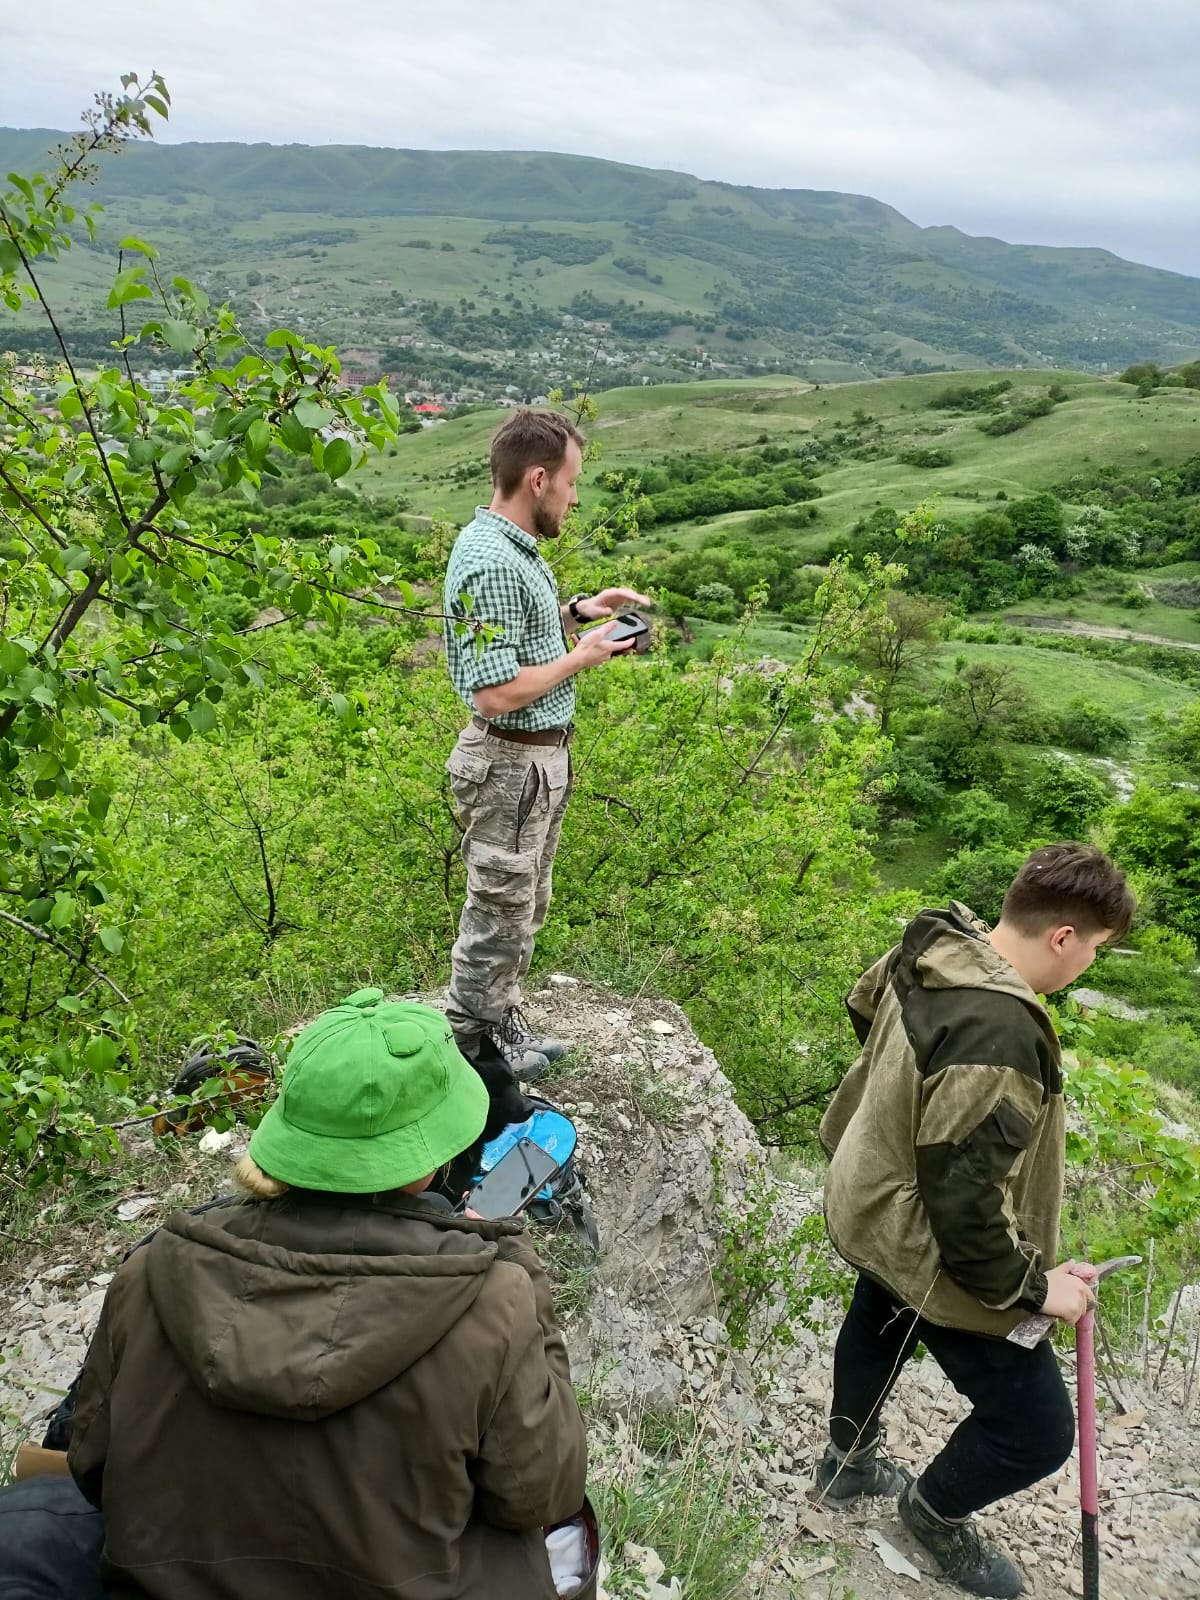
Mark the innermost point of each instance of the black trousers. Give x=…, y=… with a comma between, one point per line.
x=1021, y=1427
x=50, y=1542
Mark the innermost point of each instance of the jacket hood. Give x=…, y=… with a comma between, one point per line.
x=283, y=1330
x=950, y=949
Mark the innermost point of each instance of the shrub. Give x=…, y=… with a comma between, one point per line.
x=1064, y=799
x=978, y=876
x=933, y=456
x=976, y=818
x=1087, y=725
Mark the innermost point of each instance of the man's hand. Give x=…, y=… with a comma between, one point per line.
x=1067, y=1293
x=594, y=647
x=608, y=601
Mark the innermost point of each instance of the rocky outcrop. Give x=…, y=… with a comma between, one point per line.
x=657, y=1118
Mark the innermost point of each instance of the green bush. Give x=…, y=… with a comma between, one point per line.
x=1064, y=799
x=979, y=877
x=976, y=818
x=1087, y=725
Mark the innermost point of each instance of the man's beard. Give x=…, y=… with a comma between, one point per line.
x=547, y=524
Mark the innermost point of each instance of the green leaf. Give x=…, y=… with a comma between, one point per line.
x=258, y=439
x=75, y=557
x=101, y=1053
x=341, y=707
x=180, y=336
x=156, y=104
x=10, y=259
x=112, y=939
x=69, y=1002
x=62, y=913
x=203, y=716
x=176, y=458
x=142, y=248
x=38, y=911
x=127, y=286
x=337, y=458
x=12, y=657
x=294, y=434
x=142, y=452
x=310, y=413
x=99, y=801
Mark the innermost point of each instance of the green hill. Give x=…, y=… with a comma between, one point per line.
x=856, y=432
x=468, y=268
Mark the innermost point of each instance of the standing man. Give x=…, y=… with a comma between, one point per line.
x=947, y=1141
x=510, y=772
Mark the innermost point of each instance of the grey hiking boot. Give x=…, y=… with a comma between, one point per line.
x=844, y=1476
x=529, y=1055
x=960, y=1550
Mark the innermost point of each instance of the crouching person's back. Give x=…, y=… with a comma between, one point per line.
x=344, y=1390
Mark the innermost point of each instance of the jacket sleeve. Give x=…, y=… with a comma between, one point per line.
x=531, y=1469
x=863, y=1000
x=88, y=1449
x=977, y=1118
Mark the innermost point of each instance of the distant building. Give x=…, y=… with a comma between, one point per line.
x=429, y=409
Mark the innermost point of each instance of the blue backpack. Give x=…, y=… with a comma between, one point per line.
x=562, y=1199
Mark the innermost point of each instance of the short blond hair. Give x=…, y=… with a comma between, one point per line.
x=250, y=1178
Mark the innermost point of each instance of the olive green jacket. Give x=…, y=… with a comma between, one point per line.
x=329, y=1395
x=946, y=1136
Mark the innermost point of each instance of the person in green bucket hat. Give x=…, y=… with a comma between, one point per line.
x=333, y=1385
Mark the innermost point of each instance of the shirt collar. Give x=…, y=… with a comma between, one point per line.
x=498, y=524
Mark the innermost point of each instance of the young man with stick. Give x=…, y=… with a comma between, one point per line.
x=946, y=1141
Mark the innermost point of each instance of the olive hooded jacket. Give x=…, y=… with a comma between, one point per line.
x=947, y=1135
x=329, y=1395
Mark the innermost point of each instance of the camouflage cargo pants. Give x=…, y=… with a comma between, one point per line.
x=510, y=800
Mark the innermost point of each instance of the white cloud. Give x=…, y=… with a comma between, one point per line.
x=1061, y=121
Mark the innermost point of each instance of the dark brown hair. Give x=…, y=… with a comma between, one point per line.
x=530, y=439
x=1069, y=883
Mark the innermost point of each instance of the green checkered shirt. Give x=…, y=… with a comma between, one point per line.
x=497, y=564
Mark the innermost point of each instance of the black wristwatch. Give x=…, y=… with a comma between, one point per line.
x=573, y=607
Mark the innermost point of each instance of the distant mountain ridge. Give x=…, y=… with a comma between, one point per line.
x=797, y=272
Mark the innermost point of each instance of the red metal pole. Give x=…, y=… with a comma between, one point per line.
x=1089, y=1492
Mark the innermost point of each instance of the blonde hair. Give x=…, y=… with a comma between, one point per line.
x=252, y=1180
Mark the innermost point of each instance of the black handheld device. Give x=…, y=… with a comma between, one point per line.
x=513, y=1182
x=629, y=626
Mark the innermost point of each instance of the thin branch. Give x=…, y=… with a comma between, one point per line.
x=32, y=508
x=48, y=938
x=70, y=365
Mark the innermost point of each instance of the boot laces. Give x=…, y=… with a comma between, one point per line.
x=514, y=1027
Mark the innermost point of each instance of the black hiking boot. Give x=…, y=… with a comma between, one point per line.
x=960, y=1550
x=846, y=1476
x=529, y=1055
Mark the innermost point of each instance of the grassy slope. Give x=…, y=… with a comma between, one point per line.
x=1104, y=421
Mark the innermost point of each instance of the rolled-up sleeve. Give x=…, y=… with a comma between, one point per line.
x=493, y=596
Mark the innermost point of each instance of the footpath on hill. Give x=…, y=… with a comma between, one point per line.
x=652, y=1356
x=1096, y=630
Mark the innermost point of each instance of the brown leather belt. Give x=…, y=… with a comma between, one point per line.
x=552, y=736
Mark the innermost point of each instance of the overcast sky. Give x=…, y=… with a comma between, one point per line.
x=1038, y=121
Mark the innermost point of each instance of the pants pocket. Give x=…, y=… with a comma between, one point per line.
x=468, y=774
x=532, y=793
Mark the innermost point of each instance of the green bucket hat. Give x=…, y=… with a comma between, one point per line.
x=375, y=1095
